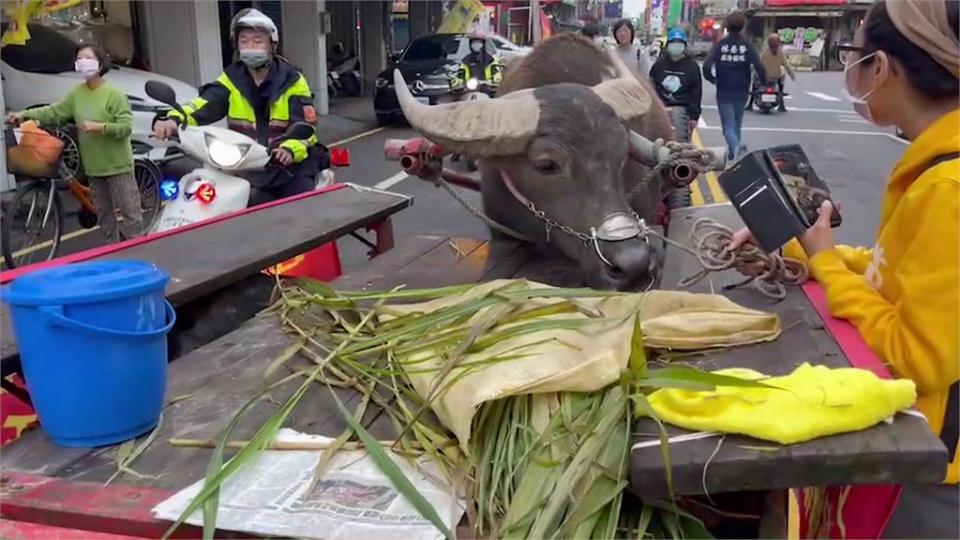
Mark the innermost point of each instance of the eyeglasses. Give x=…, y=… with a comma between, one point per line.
x=845, y=52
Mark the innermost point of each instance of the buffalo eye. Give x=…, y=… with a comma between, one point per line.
x=547, y=166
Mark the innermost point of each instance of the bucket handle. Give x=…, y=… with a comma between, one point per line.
x=55, y=315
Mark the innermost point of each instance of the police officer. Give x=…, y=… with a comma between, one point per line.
x=260, y=94
x=477, y=64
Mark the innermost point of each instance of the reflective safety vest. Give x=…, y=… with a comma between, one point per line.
x=242, y=117
x=491, y=72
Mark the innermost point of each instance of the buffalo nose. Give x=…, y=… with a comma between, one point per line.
x=628, y=266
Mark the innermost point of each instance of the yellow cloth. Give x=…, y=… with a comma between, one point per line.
x=811, y=402
x=903, y=295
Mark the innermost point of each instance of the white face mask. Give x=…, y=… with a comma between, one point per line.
x=476, y=47
x=88, y=67
x=676, y=50
x=860, y=103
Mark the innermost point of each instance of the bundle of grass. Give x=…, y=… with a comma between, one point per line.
x=521, y=394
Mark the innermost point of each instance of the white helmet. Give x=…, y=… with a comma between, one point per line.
x=255, y=19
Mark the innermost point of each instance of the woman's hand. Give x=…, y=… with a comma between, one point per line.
x=15, y=118
x=819, y=237
x=742, y=238
x=91, y=127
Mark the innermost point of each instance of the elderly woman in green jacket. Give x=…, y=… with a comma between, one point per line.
x=102, y=114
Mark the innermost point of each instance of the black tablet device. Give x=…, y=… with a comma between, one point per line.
x=777, y=194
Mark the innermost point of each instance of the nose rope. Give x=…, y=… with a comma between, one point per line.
x=549, y=224
x=711, y=241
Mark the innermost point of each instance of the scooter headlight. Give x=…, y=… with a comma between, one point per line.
x=224, y=154
x=473, y=84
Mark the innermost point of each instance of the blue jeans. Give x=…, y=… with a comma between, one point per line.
x=731, y=120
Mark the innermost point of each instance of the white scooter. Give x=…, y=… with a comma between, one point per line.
x=473, y=90
x=215, y=188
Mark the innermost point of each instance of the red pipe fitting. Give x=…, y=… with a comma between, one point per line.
x=682, y=173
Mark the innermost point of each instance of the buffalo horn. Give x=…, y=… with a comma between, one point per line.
x=485, y=128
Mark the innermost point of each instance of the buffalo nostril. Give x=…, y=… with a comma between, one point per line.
x=629, y=263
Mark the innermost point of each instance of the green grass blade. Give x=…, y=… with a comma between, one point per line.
x=679, y=384
x=638, y=354
x=643, y=408
x=706, y=378
x=393, y=472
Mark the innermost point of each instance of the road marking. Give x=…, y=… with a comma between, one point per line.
x=852, y=121
x=712, y=184
x=696, y=196
x=821, y=95
x=701, y=123
x=358, y=136
x=392, y=181
x=822, y=132
x=48, y=243
x=800, y=109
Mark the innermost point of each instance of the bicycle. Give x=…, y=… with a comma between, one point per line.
x=36, y=217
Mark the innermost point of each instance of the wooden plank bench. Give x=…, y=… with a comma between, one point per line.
x=214, y=255
x=223, y=375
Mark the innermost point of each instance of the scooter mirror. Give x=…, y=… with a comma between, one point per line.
x=300, y=131
x=163, y=93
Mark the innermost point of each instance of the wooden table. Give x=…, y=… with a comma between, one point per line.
x=902, y=452
x=223, y=375
x=206, y=258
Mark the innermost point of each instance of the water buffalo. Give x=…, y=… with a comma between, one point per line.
x=554, y=146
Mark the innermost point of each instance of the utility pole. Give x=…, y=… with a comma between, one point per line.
x=536, y=32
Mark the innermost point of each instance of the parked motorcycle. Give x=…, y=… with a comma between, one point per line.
x=343, y=79
x=766, y=97
x=473, y=90
x=228, y=161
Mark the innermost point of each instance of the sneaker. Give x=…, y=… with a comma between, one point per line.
x=742, y=149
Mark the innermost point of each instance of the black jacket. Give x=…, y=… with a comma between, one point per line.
x=213, y=105
x=732, y=57
x=678, y=83
x=281, y=76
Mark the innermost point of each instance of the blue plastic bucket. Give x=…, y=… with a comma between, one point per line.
x=93, y=344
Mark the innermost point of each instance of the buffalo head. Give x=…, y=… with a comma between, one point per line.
x=555, y=164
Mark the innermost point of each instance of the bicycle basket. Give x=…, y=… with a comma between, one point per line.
x=32, y=151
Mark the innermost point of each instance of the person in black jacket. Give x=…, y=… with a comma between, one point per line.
x=676, y=77
x=261, y=95
x=732, y=58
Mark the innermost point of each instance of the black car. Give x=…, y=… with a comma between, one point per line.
x=426, y=64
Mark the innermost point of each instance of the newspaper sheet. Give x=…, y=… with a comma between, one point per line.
x=353, y=499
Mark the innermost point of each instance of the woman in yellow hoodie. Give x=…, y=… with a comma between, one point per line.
x=903, y=294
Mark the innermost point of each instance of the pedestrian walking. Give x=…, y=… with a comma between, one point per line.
x=104, y=121
x=728, y=68
x=632, y=55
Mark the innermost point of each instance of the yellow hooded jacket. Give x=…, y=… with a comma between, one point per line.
x=903, y=295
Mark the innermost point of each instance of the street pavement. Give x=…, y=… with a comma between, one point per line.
x=852, y=156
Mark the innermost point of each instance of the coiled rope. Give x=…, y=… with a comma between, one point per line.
x=711, y=241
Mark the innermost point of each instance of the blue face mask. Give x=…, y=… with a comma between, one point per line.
x=254, y=58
